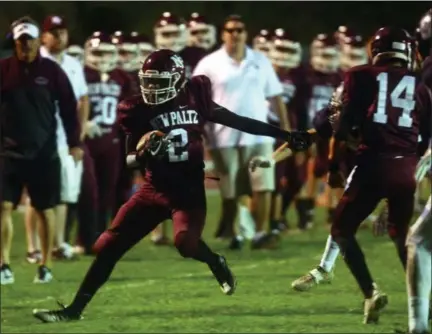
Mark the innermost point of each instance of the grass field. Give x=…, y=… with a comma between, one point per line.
x=154, y=290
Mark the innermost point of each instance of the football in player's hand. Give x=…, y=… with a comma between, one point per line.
x=145, y=139
x=153, y=144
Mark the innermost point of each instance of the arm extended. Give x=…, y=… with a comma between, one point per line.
x=225, y=117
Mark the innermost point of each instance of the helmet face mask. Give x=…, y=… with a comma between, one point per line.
x=162, y=76
x=158, y=88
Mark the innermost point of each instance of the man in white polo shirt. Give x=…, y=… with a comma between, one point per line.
x=55, y=40
x=243, y=81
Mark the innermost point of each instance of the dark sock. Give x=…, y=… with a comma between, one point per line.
x=205, y=254
x=355, y=260
x=226, y=221
x=402, y=251
x=98, y=273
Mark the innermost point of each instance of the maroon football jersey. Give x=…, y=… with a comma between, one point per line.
x=191, y=56
x=105, y=91
x=318, y=92
x=382, y=102
x=182, y=119
x=293, y=83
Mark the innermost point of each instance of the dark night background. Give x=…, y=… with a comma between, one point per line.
x=304, y=19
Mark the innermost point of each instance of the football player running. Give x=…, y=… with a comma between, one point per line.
x=381, y=104
x=387, y=151
x=174, y=173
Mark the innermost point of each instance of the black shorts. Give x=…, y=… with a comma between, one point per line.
x=41, y=177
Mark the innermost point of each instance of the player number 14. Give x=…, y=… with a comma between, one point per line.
x=407, y=103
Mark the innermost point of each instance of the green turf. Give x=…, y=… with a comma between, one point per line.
x=154, y=290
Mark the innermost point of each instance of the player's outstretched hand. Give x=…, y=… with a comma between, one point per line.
x=260, y=162
x=154, y=144
x=301, y=140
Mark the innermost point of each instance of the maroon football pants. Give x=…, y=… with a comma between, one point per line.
x=101, y=168
x=370, y=182
x=148, y=207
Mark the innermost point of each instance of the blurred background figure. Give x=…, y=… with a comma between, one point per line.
x=54, y=42
x=245, y=82
x=201, y=32
x=30, y=146
x=262, y=41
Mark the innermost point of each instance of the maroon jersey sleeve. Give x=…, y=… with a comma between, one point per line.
x=67, y=104
x=201, y=90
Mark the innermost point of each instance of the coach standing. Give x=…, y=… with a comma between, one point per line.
x=243, y=81
x=55, y=41
x=31, y=88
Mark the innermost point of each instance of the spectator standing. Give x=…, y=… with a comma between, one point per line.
x=32, y=88
x=243, y=81
x=55, y=39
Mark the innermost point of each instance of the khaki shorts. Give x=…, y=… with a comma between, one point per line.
x=231, y=163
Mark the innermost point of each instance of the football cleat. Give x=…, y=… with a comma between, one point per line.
x=224, y=276
x=315, y=277
x=373, y=306
x=62, y=315
x=43, y=275
x=6, y=275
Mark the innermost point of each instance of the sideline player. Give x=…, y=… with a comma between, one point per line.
x=174, y=187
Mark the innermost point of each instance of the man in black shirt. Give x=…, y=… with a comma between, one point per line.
x=32, y=89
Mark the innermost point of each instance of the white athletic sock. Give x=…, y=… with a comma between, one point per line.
x=246, y=223
x=330, y=254
x=418, y=306
x=418, y=313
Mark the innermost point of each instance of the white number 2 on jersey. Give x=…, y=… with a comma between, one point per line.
x=177, y=152
x=105, y=109
x=407, y=103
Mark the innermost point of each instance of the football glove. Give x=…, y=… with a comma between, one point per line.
x=155, y=147
x=300, y=140
x=92, y=129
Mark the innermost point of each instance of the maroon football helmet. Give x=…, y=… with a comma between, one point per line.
x=353, y=52
x=162, y=76
x=128, y=59
x=325, y=54
x=144, y=45
x=285, y=50
x=393, y=43
x=262, y=41
x=100, y=53
x=201, y=32
x=170, y=32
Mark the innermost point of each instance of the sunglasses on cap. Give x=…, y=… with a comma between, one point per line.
x=233, y=30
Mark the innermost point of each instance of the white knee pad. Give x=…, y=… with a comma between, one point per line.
x=263, y=178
